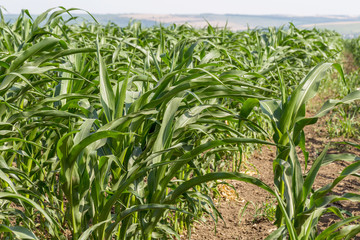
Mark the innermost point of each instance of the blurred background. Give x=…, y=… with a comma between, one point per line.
x=236, y=15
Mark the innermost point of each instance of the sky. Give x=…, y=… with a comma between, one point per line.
x=257, y=7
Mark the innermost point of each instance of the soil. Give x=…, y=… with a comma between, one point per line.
x=254, y=222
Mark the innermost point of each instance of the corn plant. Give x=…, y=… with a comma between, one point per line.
x=300, y=207
x=113, y=133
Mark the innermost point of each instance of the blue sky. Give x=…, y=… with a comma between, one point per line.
x=285, y=7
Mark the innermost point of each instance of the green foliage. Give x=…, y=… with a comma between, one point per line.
x=352, y=46
x=113, y=133
x=264, y=210
x=344, y=122
x=299, y=205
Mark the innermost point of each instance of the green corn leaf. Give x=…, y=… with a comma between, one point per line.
x=124, y=214
x=288, y=222
x=305, y=91
x=33, y=50
x=323, y=201
x=277, y=234
x=19, y=232
x=347, y=232
x=42, y=113
x=248, y=106
x=329, y=158
x=13, y=196
x=330, y=104
x=106, y=92
x=311, y=175
x=85, y=235
x=349, y=170
x=216, y=176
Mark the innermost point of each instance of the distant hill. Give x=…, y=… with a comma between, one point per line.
x=345, y=25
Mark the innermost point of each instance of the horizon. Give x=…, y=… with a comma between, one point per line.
x=84, y=12
x=347, y=25
x=259, y=7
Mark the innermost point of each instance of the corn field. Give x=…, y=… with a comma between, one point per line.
x=120, y=133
